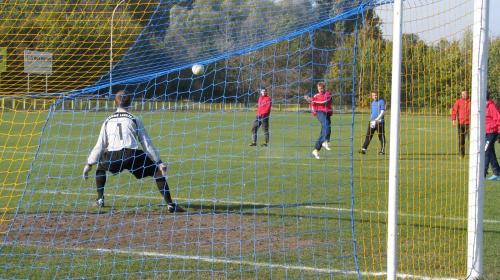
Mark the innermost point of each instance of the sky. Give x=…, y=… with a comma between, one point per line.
x=432, y=20
x=494, y=19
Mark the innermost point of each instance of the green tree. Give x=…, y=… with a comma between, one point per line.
x=494, y=67
x=77, y=35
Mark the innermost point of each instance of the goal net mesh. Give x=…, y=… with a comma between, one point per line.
x=252, y=211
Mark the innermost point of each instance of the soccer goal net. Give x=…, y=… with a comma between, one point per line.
x=296, y=203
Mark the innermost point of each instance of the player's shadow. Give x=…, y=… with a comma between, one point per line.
x=220, y=207
x=259, y=209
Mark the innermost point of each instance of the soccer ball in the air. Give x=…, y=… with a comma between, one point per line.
x=198, y=69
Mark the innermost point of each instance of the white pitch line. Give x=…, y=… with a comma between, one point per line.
x=268, y=205
x=250, y=159
x=403, y=214
x=226, y=261
x=294, y=267
x=223, y=158
x=242, y=262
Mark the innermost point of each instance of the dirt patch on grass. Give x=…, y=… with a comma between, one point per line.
x=230, y=234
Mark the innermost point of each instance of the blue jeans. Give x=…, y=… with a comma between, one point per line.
x=490, y=157
x=326, y=128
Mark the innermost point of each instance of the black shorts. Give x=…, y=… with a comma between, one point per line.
x=136, y=161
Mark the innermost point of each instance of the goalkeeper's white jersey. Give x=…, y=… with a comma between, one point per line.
x=122, y=130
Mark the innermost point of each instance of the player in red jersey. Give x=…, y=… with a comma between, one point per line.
x=461, y=111
x=321, y=107
x=262, y=118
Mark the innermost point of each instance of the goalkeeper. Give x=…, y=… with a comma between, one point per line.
x=377, y=123
x=117, y=149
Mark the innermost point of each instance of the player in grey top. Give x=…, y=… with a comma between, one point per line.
x=117, y=149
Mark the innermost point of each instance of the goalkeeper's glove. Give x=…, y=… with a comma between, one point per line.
x=163, y=168
x=373, y=124
x=86, y=171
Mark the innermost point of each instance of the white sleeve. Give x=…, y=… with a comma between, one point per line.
x=320, y=102
x=100, y=146
x=381, y=115
x=146, y=142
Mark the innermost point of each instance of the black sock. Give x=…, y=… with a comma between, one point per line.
x=100, y=180
x=162, y=185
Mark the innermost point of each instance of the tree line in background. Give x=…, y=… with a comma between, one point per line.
x=349, y=56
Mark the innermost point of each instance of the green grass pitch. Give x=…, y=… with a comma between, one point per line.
x=281, y=189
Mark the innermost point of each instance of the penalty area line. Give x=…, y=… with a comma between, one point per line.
x=187, y=200
x=242, y=262
x=262, y=265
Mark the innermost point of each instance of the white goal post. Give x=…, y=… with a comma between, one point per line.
x=477, y=141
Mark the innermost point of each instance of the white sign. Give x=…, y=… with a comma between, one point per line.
x=3, y=59
x=37, y=62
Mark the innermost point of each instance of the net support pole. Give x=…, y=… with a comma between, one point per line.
x=477, y=140
x=111, y=48
x=392, y=217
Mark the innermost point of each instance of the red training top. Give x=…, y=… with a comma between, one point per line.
x=322, y=102
x=264, y=106
x=462, y=109
x=492, y=117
